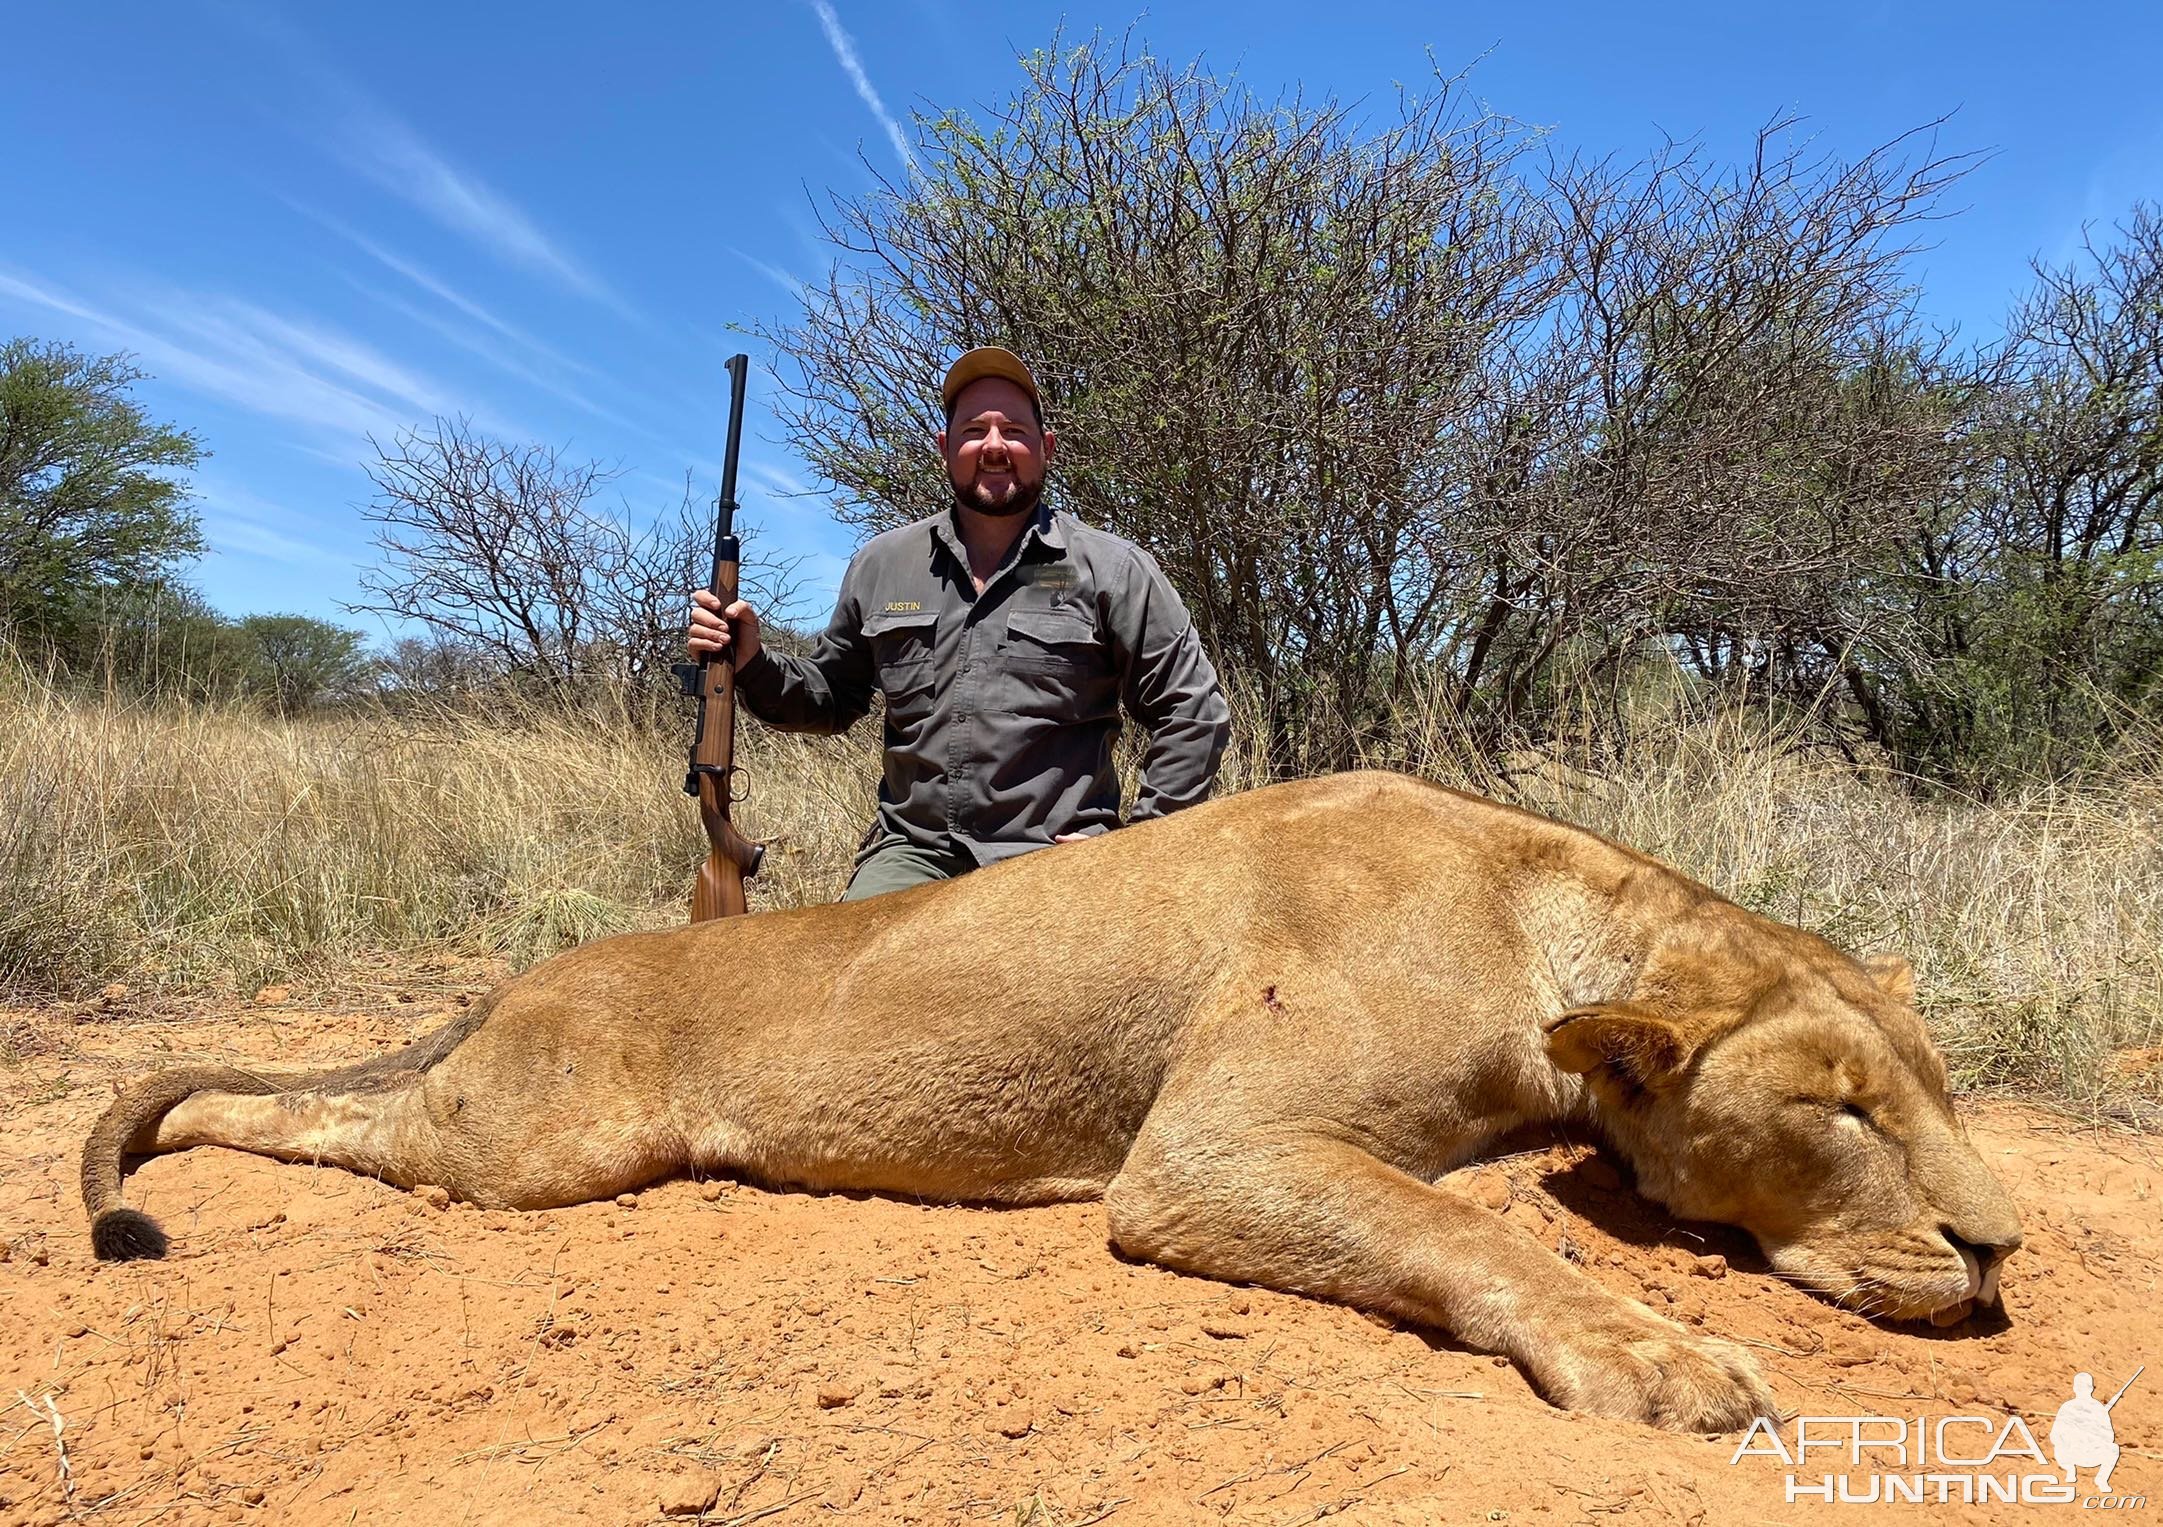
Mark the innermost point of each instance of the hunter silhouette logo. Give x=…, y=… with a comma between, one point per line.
x=1966, y=1460
x=2082, y=1436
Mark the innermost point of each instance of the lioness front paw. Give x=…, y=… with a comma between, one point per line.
x=1641, y=1368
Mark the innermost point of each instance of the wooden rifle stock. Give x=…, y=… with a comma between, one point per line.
x=731, y=858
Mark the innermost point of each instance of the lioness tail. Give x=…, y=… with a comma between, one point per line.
x=120, y=1234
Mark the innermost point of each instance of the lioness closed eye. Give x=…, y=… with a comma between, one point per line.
x=1259, y=1030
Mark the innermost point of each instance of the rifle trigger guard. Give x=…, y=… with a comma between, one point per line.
x=690, y=781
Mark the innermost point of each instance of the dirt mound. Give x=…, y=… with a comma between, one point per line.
x=324, y=1348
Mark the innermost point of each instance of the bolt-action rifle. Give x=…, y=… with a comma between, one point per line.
x=731, y=858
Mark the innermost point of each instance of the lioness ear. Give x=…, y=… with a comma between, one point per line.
x=1894, y=975
x=1644, y=1044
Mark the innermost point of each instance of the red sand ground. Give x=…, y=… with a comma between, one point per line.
x=323, y=1348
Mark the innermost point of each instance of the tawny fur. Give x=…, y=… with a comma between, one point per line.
x=1260, y=1030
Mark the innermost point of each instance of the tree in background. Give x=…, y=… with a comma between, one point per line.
x=88, y=508
x=504, y=554
x=297, y=662
x=166, y=639
x=2040, y=578
x=434, y=667
x=1727, y=431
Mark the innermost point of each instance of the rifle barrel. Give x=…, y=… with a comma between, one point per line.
x=737, y=365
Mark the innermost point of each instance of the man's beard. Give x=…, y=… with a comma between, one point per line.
x=1023, y=500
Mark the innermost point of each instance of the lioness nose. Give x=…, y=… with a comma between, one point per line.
x=1987, y=1254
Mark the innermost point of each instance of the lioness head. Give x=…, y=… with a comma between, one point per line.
x=1801, y=1099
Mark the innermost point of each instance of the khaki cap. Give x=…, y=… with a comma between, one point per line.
x=987, y=360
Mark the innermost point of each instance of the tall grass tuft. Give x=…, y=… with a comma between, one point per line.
x=191, y=847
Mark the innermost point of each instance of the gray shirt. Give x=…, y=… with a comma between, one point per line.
x=1001, y=707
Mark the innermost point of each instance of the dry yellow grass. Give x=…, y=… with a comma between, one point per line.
x=189, y=848
x=178, y=846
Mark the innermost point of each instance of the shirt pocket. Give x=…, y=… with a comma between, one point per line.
x=1053, y=664
x=902, y=653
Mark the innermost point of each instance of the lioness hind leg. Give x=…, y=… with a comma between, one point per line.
x=1314, y=1215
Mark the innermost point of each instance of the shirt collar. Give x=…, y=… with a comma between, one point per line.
x=1046, y=526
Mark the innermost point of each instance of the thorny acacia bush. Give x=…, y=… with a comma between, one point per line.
x=1405, y=401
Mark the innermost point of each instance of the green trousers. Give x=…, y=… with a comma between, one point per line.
x=898, y=866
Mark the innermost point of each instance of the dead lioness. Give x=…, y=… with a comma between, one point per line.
x=1260, y=1030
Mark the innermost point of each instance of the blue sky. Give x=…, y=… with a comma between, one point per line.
x=314, y=223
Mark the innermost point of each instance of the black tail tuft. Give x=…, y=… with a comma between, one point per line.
x=126, y=1235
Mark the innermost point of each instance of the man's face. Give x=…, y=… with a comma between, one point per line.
x=995, y=452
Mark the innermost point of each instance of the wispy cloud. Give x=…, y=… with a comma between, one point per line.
x=242, y=329
x=815, y=251
x=546, y=376
x=385, y=150
x=378, y=144
x=440, y=289
x=229, y=536
x=239, y=353
x=844, y=47
x=2126, y=173
x=775, y=480
x=236, y=520
x=773, y=273
x=246, y=376
x=503, y=359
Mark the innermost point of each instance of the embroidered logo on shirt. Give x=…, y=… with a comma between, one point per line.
x=1047, y=575
x=898, y=606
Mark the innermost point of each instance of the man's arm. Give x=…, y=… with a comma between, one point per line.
x=825, y=690
x=1167, y=684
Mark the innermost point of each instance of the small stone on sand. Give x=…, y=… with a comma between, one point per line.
x=692, y=1495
